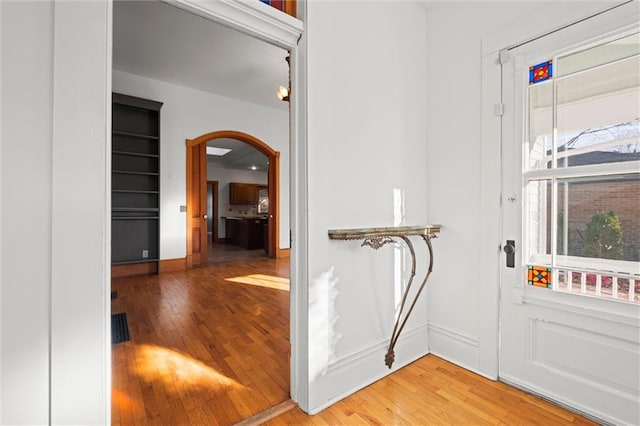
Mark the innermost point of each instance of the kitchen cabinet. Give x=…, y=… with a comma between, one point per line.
x=243, y=193
x=245, y=232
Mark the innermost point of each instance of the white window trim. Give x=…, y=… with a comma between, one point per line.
x=600, y=266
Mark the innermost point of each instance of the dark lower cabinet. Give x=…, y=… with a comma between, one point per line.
x=245, y=232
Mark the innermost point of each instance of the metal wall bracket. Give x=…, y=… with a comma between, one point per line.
x=377, y=238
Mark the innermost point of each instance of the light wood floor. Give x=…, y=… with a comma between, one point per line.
x=432, y=391
x=210, y=346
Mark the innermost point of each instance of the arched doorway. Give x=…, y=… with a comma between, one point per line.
x=197, y=187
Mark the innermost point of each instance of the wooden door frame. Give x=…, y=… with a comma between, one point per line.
x=202, y=192
x=214, y=210
x=273, y=182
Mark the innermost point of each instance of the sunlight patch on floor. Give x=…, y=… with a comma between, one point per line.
x=120, y=400
x=260, y=280
x=158, y=363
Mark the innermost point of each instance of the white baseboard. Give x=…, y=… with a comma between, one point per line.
x=455, y=347
x=365, y=367
x=588, y=412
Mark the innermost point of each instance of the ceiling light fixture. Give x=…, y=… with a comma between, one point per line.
x=283, y=93
x=254, y=168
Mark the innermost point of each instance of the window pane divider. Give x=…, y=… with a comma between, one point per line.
x=559, y=76
x=609, y=169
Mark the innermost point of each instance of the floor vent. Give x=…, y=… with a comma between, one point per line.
x=119, y=328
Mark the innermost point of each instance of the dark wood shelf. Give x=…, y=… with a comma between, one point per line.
x=131, y=172
x=128, y=262
x=135, y=209
x=135, y=217
x=133, y=191
x=134, y=135
x=134, y=154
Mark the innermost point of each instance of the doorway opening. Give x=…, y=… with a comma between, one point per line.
x=260, y=226
x=191, y=333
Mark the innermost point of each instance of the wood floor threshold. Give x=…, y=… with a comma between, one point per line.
x=268, y=414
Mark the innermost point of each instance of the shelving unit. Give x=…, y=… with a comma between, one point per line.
x=135, y=186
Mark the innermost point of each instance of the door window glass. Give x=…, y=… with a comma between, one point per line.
x=582, y=172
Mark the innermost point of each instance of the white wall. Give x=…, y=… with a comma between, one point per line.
x=54, y=358
x=454, y=134
x=186, y=114
x=26, y=122
x=364, y=145
x=224, y=176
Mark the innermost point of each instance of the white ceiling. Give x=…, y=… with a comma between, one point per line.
x=242, y=156
x=160, y=41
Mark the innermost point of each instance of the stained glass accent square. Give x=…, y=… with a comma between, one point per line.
x=539, y=276
x=540, y=72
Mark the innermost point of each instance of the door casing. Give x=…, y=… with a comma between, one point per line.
x=273, y=183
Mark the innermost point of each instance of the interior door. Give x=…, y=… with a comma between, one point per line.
x=196, y=204
x=569, y=317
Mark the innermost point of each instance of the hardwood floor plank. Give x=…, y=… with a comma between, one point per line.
x=268, y=414
x=205, y=350
x=272, y=391
x=137, y=401
x=432, y=391
x=198, y=345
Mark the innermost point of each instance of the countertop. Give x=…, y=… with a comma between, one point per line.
x=244, y=217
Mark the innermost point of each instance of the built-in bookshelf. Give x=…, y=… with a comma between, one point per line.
x=135, y=186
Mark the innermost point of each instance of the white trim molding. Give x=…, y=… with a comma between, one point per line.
x=1, y=139
x=490, y=215
x=251, y=17
x=358, y=366
x=80, y=312
x=377, y=350
x=548, y=19
x=458, y=348
x=299, y=223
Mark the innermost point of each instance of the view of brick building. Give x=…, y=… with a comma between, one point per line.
x=580, y=199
